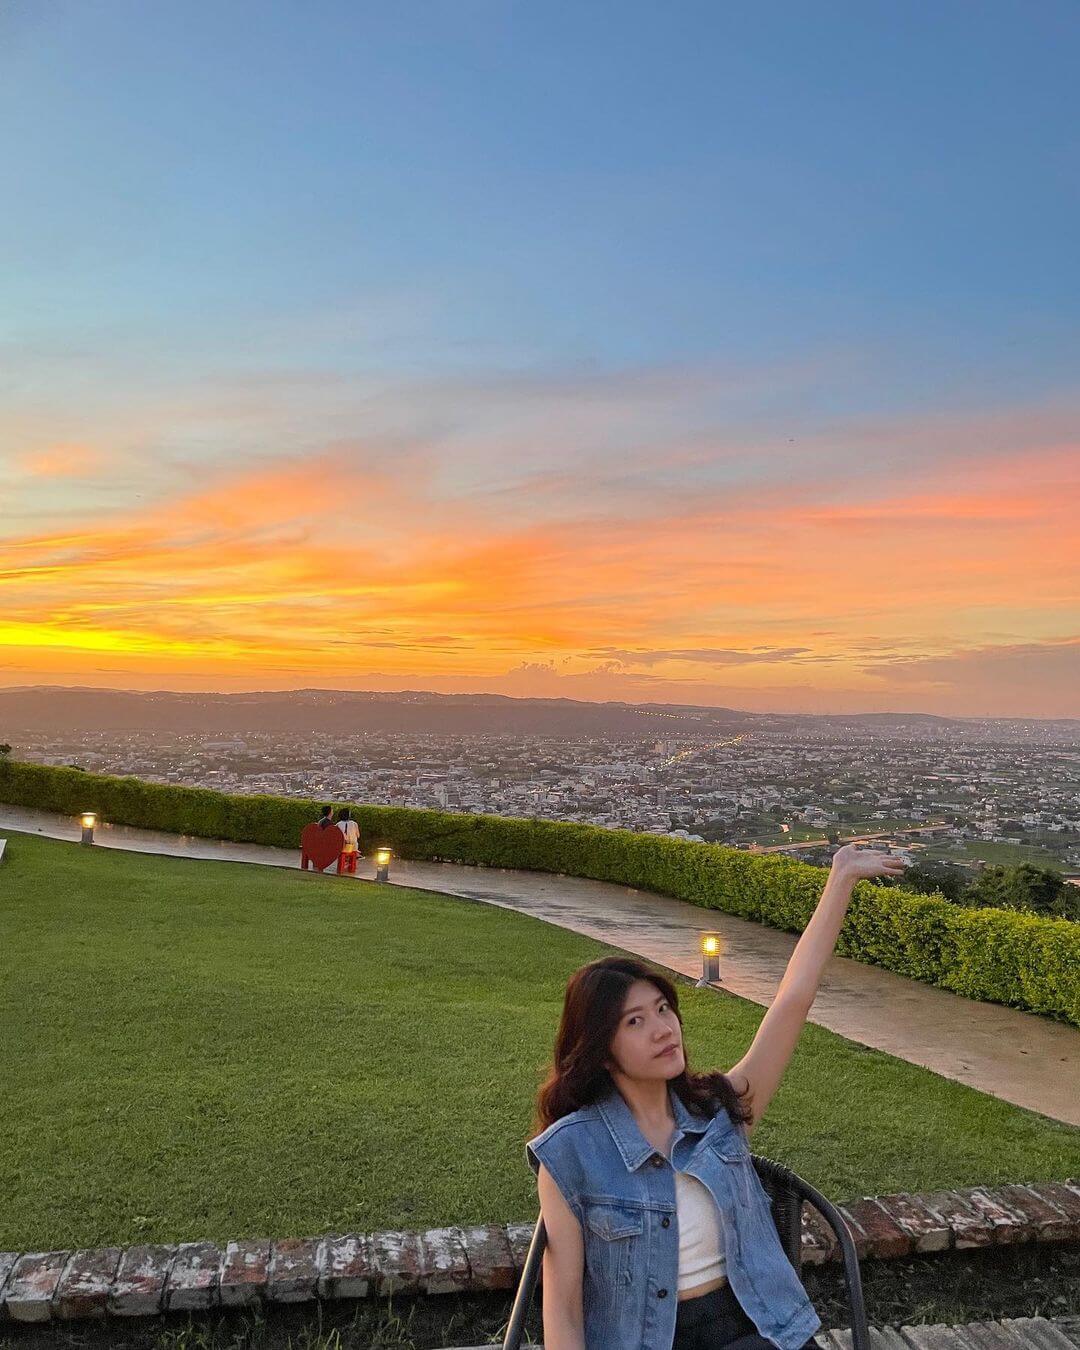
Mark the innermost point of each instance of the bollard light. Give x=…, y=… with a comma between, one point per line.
x=89, y=820
x=382, y=864
x=710, y=959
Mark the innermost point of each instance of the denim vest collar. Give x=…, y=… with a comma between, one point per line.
x=633, y=1147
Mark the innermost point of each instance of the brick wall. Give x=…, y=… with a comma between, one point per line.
x=145, y=1280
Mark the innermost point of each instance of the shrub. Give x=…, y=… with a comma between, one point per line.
x=1020, y=959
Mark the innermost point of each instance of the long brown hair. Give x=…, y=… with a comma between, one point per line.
x=595, y=997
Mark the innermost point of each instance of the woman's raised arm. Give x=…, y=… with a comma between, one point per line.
x=758, y=1074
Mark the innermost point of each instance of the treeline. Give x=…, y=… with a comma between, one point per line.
x=1025, y=887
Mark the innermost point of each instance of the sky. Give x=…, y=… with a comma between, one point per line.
x=689, y=353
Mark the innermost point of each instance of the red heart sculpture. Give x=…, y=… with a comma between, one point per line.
x=319, y=846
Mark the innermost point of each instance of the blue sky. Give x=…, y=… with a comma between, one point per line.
x=529, y=236
x=605, y=182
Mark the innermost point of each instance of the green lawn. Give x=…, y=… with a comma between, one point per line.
x=197, y=1049
x=971, y=850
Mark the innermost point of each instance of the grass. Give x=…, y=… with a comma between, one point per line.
x=198, y=1049
x=972, y=850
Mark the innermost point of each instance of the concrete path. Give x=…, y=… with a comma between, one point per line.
x=1022, y=1058
x=1013, y=1333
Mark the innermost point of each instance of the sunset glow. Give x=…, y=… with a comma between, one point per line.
x=374, y=423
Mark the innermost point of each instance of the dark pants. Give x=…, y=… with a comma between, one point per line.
x=716, y=1321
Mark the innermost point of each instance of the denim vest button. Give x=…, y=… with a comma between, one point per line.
x=657, y=1160
x=661, y=1293
x=665, y=1222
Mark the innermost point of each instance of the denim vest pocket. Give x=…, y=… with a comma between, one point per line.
x=612, y=1233
x=731, y=1146
x=734, y=1153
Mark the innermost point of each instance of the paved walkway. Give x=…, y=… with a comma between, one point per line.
x=1022, y=1058
x=1014, y=1333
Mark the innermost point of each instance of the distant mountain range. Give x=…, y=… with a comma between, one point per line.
x=60, y=709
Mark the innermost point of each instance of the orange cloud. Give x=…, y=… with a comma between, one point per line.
x=354, y=568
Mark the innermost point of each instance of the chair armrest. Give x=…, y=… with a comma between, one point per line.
x=783, y=1179
x=515, y=1328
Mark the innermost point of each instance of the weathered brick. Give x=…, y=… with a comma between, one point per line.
x=1043, y=1221
x=881, y=1338
x=993, y=1336
x=1070, y=1325
x=858, y=1232
x=886, y=1238
x=1037, y=1333
x=294, y=1270
x=1007, y=1226
x=818, y=1242
x=7, y=1265
x=398, y=1261
x=934, y=1336
x=195, y=1276
x=491, y=1265
x=968, y=1227
x=32, y=1284
x=1062, y=1197
x=193, y=1281
x=346, y=1267
x=444, y=1263
x=84, y=1287
x=244, y=1273
x=139, y=1286
x=519, y=1236
x=927, y=1230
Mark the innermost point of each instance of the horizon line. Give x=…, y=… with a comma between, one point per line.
x=511, y=698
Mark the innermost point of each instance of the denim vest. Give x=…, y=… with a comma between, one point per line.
x=622, y=1192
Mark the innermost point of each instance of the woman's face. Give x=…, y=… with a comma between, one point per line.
x=648, y=1040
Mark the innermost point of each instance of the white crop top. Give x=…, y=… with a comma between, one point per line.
x=701, y=1246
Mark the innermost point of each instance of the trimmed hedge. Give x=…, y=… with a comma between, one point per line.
x=995, y=955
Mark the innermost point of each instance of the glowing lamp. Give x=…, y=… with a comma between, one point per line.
x=382, y=864
x=89, y=820
x=710, y=958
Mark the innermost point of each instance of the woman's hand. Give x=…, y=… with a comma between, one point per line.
x=861, y=864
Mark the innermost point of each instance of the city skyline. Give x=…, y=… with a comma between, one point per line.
x=727, y=362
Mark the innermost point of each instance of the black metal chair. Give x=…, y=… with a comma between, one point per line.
x=787, y=1193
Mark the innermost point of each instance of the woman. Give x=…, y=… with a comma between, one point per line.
x=351, y=846
x=660, y=1235
x=349, y=829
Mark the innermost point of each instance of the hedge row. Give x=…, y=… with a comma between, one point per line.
x=991, y=954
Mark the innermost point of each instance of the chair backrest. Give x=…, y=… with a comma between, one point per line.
x=787, y=1193
x=786, y=1204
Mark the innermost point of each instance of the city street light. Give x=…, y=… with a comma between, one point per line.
x=382, y=864
x=89, y=820
x=711, y=944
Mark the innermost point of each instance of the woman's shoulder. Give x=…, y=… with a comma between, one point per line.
x=561, y=1133
x=583, y=1116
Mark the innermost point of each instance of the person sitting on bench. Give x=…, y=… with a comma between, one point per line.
x=351, y=831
